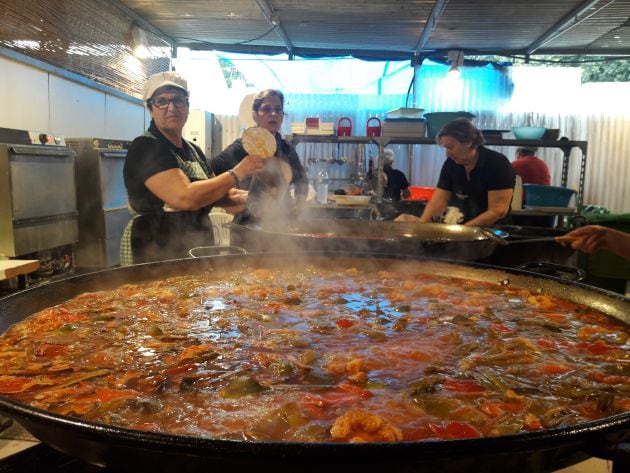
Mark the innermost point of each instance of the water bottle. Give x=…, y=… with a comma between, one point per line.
x=322, y=186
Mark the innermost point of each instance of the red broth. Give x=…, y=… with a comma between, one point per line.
x=320, y=355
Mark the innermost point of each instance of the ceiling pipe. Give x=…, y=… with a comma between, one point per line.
x=274, y=19
x=437, y=11
x=569, y=21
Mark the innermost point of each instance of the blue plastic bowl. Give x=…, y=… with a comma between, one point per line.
x=537, y=195
x=528, y=132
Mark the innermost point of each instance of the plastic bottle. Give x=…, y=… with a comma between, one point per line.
x=322, y=186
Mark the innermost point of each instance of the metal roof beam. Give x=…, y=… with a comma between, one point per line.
x=437, y=11
x=274, y=19
x=570, y=20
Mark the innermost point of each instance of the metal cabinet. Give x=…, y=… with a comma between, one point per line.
x=101, y=200
x=38, y=209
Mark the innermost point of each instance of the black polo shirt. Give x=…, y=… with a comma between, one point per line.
x=492, y=172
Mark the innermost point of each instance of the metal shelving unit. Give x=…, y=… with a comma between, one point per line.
x=565, y=146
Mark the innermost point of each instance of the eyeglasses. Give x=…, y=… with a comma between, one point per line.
x=268, y=109
x=163, y=102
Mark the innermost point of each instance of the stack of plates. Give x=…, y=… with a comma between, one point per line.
x=324, y=128
x=405, y=112
x=404, y=127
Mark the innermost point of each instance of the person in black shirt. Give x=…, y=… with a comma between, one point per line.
x=475, y=181
x=396, y=186
x=170, y=187
x=268, y=113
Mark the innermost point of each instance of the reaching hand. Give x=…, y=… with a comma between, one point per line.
x=592, y=238
x=250, y=165
x=234, y=201
x=407, y=218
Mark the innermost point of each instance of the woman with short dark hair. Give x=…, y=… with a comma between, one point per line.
x=477, y=183
x=268, y=113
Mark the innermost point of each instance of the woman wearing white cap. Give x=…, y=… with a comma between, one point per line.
x=170, y=188
x=396, y=183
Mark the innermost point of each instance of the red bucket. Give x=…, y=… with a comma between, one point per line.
x=420, y=193
x=344, y=130
x=374, y=130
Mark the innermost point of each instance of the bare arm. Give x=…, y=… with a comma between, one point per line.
x=175, y=189
x=498, y=207
x=592, y=238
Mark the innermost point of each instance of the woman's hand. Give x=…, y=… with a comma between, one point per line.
x=250, y=165
x=407, y=218
x=234, y=201
x=592, y=238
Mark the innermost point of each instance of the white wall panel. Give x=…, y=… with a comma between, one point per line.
x=123, y=120
x=608, y=163
x=24, y=96
x=76, y=110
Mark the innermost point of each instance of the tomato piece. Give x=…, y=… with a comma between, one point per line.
x=179, y=369
x=194, y=351
x=106, y=395
x=50, y=349
x=451, y=430
x=318, y=406
x=463, y=385
x=623, y=404
x=556, y=369
x=555, y=317
x=493, y=409
x=513, y=407
x=344, y=323
x=419, y=433
x=616, y=379
x=609, y=378
x=596, y=348
x=312, y=409
x=14, y=384
x=501, y=328
x=546, y=343
x=344, y=394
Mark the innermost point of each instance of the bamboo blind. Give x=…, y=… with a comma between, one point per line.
x=91, y=38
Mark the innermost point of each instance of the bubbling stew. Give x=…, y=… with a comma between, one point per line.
x=334, y=353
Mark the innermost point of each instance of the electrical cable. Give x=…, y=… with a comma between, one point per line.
x=227, y=44
x=413, y=77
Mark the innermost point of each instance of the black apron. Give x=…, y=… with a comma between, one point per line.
x=167, y=234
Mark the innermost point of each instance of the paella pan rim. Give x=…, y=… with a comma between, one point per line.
x=39, y=419
x=72, y=435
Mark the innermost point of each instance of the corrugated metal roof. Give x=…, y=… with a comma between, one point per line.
x=393, y=29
